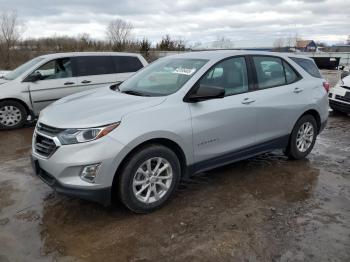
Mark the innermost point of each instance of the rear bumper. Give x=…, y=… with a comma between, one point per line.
x=340, y=106
x=100, y=195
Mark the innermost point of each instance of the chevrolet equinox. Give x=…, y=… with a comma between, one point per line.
x=181, y=115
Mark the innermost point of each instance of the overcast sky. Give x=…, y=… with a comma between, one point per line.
x=247, y=23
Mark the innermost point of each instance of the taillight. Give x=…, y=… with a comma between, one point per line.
x=326, y=86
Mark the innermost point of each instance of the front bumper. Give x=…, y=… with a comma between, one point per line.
x=101, y=195
x=62, y=169
x=339, y=106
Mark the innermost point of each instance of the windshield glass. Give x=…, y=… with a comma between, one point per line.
x=163, y=77
x=21, y=69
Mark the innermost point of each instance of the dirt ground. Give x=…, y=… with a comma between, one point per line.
x=263, y=209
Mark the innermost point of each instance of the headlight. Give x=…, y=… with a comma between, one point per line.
x=82, y=135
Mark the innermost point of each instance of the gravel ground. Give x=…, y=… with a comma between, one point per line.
x=263, y=209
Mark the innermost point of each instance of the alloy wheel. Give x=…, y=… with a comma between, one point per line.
x=152, y=180
x=305, y=136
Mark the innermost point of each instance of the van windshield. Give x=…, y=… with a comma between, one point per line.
x=21, y=69
x=163, y=77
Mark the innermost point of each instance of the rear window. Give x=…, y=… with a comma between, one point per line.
x=125, y=64
x=94, y=65
x=308, y=65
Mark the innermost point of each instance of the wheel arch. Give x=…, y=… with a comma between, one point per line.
x=169, y=143
x=24, y=104
x=316, y=115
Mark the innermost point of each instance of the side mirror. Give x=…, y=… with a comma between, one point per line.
x=344, y=74
x=35, y=76
x=205, y=92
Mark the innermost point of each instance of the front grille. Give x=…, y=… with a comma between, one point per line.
x=48, y=130
x=44, y=146
x=342, y=98
x=330, y=95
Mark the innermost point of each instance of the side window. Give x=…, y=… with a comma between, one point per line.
x=126, y=64
x=56, y=69
x=230, y=74
x=94, y=65
x=308, y=65
x=291, y=75
x=269, y=71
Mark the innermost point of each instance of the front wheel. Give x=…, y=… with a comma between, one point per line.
x=12, y=115
x=149, y=178
x=303, y=138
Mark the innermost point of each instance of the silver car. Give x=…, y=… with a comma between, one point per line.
x=28, y=89
x=180, y=115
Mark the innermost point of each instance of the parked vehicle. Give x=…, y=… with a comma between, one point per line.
x=25, y=91
x=180, y=115
x=339, y=96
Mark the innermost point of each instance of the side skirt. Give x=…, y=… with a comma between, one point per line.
x=235, y=156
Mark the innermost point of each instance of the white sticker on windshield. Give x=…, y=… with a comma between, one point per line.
x=184, y=71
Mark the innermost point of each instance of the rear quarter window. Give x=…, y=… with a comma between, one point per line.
x=126, y=64
x=308, y=65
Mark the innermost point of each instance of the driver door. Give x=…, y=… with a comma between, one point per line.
x=55, y=81
x=221, y=127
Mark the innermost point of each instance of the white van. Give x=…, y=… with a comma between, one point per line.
x=25, y=91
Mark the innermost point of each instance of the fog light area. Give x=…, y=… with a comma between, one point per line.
x=90, y=172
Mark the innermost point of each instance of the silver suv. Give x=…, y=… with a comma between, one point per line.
x=180, y=115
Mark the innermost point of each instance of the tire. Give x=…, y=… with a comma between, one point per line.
x=12, y=115
x=131, y=176
x=295, y=150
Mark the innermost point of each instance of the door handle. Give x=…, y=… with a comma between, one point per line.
x=298, y=90
x=247, y=101
x=68, y=83
x=85, y=82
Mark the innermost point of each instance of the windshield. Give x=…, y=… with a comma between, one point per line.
x=163, y=77
x=21, y=69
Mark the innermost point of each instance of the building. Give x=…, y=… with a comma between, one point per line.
x=306, y=46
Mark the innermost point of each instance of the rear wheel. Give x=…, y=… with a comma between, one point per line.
x=149, y=178
x=12, y=115
x=303, y=138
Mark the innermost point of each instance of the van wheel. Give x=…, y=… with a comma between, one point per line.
x=303, y=138
x=12, y=115
x=149, y=178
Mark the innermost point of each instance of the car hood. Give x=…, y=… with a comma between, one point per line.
x=94, y=108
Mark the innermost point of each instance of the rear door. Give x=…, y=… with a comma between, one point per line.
x=224, y=126
x=57, y=80
x=279, y=97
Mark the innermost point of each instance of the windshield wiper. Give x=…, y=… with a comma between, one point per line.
x=133, y=92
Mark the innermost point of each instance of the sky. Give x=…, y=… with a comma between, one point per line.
x=246, y=23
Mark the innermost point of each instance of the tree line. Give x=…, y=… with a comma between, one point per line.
x=14, y=49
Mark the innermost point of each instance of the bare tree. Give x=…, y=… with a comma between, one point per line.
x=119, y=33
x=278, y=44
x=291, y=41
x=223, y=43
x=10, y=32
